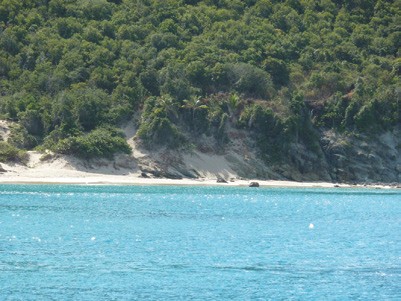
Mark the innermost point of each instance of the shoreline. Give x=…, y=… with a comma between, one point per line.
x=129, y=180
x=69, y=170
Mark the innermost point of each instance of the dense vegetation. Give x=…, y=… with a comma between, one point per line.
x=11, y=153
x=72, y=71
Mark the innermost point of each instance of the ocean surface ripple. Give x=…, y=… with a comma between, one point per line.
x=65, y=242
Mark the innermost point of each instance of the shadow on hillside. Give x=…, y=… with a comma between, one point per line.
x=120, y=165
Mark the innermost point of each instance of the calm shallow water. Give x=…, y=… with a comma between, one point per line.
x=198, y=243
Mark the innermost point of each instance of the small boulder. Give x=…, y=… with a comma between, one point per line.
x=254, y=184
x=221, y=180
x=2, y=169
x=144, y=175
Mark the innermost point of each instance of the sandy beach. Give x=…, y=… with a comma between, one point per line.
x=65, y=170
x=91, y=179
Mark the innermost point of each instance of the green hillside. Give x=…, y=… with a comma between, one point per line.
x=71, y=72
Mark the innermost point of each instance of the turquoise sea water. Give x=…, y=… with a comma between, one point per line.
x=198, y=243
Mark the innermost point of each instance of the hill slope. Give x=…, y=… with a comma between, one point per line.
x=306, y=82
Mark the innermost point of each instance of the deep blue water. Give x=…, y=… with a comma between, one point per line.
x=198, y=243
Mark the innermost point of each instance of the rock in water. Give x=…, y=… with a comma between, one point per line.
x=254, y=184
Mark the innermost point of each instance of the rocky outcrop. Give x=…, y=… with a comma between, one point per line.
x=335, y=157
x=347, y=158
x=304, y=164
x=360, y=158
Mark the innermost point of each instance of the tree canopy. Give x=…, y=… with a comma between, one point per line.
x=68, y=68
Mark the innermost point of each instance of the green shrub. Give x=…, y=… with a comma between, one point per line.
x=31, y=121
x=268, y=129
x=9, y=152
x=258, y=118
x=365, y=118
x=101, y=142
x=160, y=131
x=194, y=115
x=20, y=138
x=220, y=134
x=247, y=79
x=59, y=133
x=157, y=126
x=278, y=70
